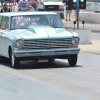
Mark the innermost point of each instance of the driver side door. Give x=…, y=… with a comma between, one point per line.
x=3, y=36
x=0, y=35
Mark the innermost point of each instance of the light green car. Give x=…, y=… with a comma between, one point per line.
x=35, y=36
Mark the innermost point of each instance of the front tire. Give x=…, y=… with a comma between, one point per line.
x=72, y=59
x=15, y=62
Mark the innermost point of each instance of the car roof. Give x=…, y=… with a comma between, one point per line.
x=25, y=13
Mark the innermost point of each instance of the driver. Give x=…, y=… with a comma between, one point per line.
x=43, y=21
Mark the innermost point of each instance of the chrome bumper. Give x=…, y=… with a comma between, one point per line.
x=60, y=11
x=48, y=52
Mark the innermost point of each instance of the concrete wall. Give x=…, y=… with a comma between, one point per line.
x=90, y=17
x=85, y=36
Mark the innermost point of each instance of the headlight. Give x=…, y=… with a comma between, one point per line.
x=19, y=43
x=75, y=41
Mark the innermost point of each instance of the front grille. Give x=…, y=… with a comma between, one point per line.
x=52, y=7
x=47, y=44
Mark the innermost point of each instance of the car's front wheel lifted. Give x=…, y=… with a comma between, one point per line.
x=15, y=62
x=72, y=59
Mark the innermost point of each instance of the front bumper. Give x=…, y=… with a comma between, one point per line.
x=47, y=52
x=60, y=11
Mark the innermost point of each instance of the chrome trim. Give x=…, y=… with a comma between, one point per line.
x=45, y=44
x=46, y=52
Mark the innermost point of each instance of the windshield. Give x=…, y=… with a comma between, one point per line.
x=52, y=1
x=24, y=21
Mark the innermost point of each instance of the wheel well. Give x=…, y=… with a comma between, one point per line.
x=9, y=50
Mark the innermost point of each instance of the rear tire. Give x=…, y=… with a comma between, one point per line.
x=72, y=59
x=15, y=62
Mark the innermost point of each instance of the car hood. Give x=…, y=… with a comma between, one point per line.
x=45, y=32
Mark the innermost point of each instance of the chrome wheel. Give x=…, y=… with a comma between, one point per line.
x=12, y=59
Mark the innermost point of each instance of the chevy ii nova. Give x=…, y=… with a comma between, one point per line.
x=36, y=36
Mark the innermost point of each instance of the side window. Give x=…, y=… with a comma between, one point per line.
x=3, y=23
x=7, y=23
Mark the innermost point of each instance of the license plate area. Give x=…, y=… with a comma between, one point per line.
x=47, y=53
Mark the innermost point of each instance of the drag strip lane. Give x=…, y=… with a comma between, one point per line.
x=58, y=77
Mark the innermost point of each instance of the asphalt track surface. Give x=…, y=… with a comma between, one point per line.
x=95, y=35
x=52, y=80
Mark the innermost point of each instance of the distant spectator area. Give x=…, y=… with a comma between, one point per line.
x=11, y=1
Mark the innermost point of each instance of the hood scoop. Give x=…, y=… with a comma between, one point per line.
x=50, y=32
x=43, y=30
x=31, y=29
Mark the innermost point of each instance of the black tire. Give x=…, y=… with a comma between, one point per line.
x=15, y=62
x=51, y=60
x=72, y=59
